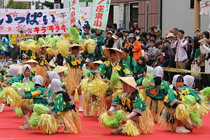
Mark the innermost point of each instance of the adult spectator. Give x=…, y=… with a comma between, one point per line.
x=15, y=51
x=5, y=54
x=181, y=50
x=153, y=29
x=109, y=39
x=158, y=33
x=204, y=50
x=137, y=34
x=137, y=50
x=119, y=41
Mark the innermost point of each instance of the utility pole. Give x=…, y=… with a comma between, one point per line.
x=197, y=18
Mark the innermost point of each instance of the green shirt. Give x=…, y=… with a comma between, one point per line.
x=127, y=61
x=157, y=92
x=43, y=61
x=59, y=105
x=139, y=81
x=37, y=94
x=100, y=42
x=138, y=69
x=8, y=81
x=174, y=96
x=3, y=71
x=132, y=102
x=76, y=62
x=21, y=77
x=106, y=69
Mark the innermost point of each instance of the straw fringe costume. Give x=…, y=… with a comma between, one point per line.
x=173, y=112
x=42, y=68
x=155, y=98
x=75, y=64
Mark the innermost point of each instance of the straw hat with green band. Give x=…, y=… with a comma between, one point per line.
x=95, y=62
x=59, y=69
x=130, y=81
x=106, y=52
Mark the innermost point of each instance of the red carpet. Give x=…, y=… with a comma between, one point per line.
x=9, y=130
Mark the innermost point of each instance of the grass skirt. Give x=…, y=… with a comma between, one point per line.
x=134, y=126
x=42, y=71
x=167, y=119
x=156, y=107
x=73, y=79
x=71, y=120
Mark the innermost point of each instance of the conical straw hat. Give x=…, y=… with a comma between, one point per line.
x=59, y=69
x=30, y=61
x=52, y=64
x=95, y=62
x=106, y=52
x=75, y=45
x=129, y=80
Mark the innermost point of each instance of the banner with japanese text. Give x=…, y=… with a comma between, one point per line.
x=73, y=13
x=100, y=14
x=14, y=21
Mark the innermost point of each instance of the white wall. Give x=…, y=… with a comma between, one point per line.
x=177, y=13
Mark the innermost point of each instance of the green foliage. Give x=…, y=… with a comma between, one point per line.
x=17, y=5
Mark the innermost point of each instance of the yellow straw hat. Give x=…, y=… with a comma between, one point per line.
x=106, y=52
x=51, y=64
x=75, y=45
x=130, y=81
x=95, y=62
x=17, y=65
x=30, y=61
x=59, y=69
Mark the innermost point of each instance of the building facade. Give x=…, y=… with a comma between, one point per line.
x=126, y=12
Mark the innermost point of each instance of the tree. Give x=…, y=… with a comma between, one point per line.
x=17, y=5
x=21, y=5
x=10, y=4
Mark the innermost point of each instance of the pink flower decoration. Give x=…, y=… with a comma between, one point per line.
x=6, y=10
x=9, y=29
x=1, y=27
x=39, y=21
x=29, y=30
x=18, y=27
x=27, y=12
x=56, y=23
x=15, y=14
x=85, y=13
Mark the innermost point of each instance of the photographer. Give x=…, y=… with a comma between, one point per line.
x=168, y=54
x=180, y=45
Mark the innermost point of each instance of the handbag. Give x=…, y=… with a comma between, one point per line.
x=195, y=67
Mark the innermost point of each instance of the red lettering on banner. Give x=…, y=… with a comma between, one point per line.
x=57, y=28
x=36, y=29
x=43, y=30
x=73, y=14
x=51, y=28
x=99, y=16
x=100, y=9
x=101, y=2
x=63, y=27
x=98, y=23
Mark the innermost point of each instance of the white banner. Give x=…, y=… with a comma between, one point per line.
x=14, y=21
x=85, y=16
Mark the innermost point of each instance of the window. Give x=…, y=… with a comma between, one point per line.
x=191, y=4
